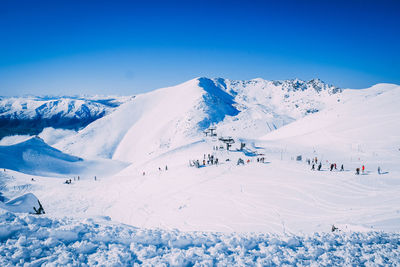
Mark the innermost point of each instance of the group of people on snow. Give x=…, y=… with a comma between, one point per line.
x=262, y=159
x=159, y=169
x=314, y=162
x=207, y=160
x=166, y=168
x=333, y=166
x=69, y=181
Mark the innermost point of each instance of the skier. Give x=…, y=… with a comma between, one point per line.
x=95, y=178
x=335, y=166
x=166, y=167
x=341, y=168
x=332, y=167
x=363, y=169
x=216, y=161
x=78, y=178
x=358, y=171
x=144, y=173
x=379, y=170
x=313, y=167
x=319, y=166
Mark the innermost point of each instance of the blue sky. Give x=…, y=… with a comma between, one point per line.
x=129, y=47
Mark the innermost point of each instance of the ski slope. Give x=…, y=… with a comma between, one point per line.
x=140, y=155
x=167, y=118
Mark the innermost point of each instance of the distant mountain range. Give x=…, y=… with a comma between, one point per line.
x=30, y=115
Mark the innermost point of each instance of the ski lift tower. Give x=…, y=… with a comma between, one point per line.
x=207, y=132
x=228, y=141
x=212, y=131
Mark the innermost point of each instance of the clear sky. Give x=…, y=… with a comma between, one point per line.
x=129, y=47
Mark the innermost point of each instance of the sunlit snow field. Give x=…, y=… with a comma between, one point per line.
x=128, y=208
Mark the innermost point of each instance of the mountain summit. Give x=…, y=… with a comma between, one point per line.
x=163, y=119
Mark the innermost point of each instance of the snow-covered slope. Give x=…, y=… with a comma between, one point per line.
x=153, y=122
x=361, y=129
x=34, y=156
x=29, y=115
x=268, y=105
x=291, y=206
x=27, y=203
x=366, y=124
x=156, y=122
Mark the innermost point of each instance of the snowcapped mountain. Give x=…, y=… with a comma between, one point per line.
x=366, y=122
x=268, y=105
x=30, y=115
x=164, y=128
x=164, y=119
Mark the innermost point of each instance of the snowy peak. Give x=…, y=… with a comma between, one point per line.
x=166, y=118
x=299, y=85
x=216, y=104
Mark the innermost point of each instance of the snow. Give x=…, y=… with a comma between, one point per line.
x=52, y=136
x=277, y=212
x=63, y=106
x=25, y=204
x=166, y=118
x=30, y=115
x=34, y=156
x=45, y=240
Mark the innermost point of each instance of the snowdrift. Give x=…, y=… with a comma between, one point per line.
x=34, y=156
x=49, y=241
x=27, y=203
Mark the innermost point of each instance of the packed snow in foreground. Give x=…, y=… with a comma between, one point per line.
x=45, y=240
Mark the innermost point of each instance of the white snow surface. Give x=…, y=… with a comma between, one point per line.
x=277, y=212
x=166, y=118
x=47, y=241
x=23, y=204
x=34, y=156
